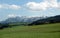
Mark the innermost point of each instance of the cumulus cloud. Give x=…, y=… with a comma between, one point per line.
x=37, y=6
x=14, y=7
x=52, y=3
x=7, y=6
x=46, y=4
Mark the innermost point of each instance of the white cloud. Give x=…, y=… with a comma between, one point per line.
x=59, y=5
x=0, y=6
x=53, y=3
x=37, y=6
x=14, y=7
x=7, y=6
x=46, y=4
x=11, y=15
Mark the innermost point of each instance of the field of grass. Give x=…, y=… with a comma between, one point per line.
x=36, y=31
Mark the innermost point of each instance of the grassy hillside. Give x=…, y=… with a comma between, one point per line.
x=38, y=31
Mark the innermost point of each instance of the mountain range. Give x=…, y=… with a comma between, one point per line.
x=21, y=19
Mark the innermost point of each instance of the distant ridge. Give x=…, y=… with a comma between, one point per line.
x=53, y=19
x=21, y=19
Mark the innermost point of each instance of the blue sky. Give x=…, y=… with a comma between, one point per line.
x=12, y=8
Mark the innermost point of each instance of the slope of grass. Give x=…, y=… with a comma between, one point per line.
x=36, y=31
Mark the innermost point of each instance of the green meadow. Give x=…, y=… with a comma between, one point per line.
x=35, y=31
